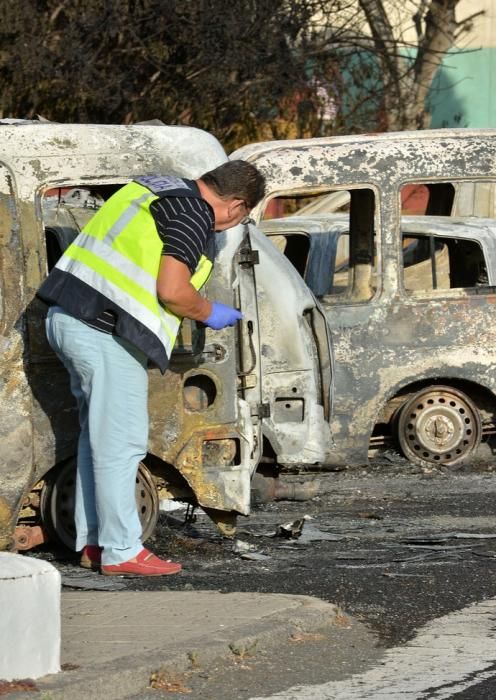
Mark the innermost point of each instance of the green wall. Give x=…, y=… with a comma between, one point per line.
x=463, y=91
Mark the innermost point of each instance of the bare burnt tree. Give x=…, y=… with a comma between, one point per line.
x=407, y=66
x=384, y=55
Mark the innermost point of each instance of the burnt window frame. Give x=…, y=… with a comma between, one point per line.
x=456, y=263
x=448, y=191
x=365, y=253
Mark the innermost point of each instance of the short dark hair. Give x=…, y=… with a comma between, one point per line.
x=237, y=179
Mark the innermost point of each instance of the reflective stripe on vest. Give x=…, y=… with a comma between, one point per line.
x=118, y=254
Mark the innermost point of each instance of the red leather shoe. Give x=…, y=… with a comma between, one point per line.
x=91, y=557
x=144, y=564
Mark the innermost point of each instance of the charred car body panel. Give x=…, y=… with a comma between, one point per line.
x=198, y=427
x=393, y=344
x=406, y=350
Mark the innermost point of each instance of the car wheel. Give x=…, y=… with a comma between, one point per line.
x=439, y=425
x=57, y=503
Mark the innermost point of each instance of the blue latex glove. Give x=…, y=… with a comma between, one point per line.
x=222, y=316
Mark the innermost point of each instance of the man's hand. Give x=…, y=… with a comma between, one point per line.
x=222, y=316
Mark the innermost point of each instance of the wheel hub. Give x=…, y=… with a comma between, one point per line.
x=438, y=431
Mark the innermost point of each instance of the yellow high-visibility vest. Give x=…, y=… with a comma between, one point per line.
x=118, y=255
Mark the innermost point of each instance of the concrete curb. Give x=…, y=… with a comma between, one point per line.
x=30, y=617
x=126, y=676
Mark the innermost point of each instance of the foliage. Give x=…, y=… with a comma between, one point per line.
x=225, y=66
x=244, y=70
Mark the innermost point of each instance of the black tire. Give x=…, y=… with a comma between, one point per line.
x=57, y=503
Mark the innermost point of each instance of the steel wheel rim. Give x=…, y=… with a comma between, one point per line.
x=146, y=501
x=439, y=426
x=58, y=500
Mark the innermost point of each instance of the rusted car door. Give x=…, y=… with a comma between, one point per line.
x=295, y=360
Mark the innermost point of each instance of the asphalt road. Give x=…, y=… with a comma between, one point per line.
x=395, y=546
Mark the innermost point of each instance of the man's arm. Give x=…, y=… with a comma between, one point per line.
x=175, y=290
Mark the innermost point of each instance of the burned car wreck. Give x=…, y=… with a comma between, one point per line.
x=440, y=425
x=313, y=377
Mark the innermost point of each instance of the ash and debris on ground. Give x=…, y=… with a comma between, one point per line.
x=375, y=541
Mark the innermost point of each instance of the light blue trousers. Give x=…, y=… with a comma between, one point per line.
x=110, y=383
